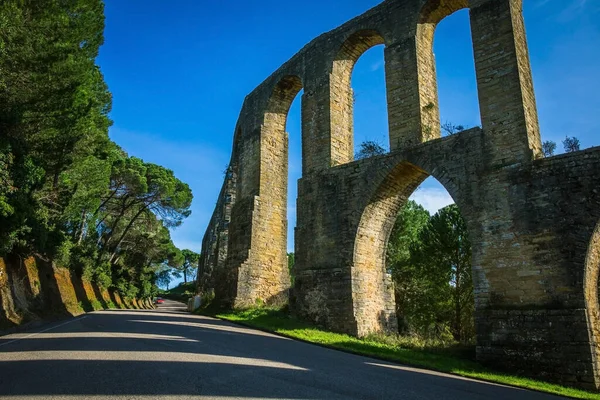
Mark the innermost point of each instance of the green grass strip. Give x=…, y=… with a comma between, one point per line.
x=283, y=324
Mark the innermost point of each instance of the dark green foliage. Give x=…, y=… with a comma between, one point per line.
x=190, y=265
x=54, y=107
x=368, y=149
x=450, y=129
x=430, y=262
x=408, y=281
x=571, y=144
x=66, y=191
x=548, y=148
x=181, y=292
x=163, y=278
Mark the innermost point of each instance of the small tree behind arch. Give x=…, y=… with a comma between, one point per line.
x=548, y=148
x=369, y=148
x=571, y=144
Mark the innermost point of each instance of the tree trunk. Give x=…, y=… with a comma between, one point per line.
x=129, y=225
x=457, y=304
x=55, y=180
x=79, y=233
x=458, y=319
x=116, y=222
x=104, y=203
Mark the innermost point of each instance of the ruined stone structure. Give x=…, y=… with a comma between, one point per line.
x=533, y=221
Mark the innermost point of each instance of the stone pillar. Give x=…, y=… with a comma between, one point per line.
x=413, y=111
x=240, y=234
x=258, y=233
x=506, y=97
x=263, y=278
x=316, y=129
x=323, y=256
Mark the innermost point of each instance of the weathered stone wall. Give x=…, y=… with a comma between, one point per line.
x=531, y=227
x=323, y=69
x=32, y=289
x=550, y=344
x=349, y=211
x=531, y=220
x=213, y=276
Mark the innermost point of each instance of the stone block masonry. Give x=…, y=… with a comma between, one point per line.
x=533, y=222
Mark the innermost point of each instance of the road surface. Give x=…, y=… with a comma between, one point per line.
x=169, y=354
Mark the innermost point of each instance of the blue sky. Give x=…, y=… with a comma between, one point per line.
x=179, y=72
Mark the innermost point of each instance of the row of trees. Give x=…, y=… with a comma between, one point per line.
x=371, y=148
x=570, y=144
x=67, y=192
x=186, y=269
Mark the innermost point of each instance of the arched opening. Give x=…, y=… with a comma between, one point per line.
x=372, y=287
x=412, y=262
x=446, y=69
x=280, y=102
x=294, y=130
x=370, y=103
x=342, y=96
x=455, y=73
x=274, y=166
x=591, y=289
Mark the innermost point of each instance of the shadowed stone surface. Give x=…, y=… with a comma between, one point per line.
x=532, y=221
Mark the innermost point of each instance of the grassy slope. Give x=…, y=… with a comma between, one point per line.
x=440, y=360
x=182, y=288
x=181, y=292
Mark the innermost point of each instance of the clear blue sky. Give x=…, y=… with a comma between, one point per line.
x=179, y=72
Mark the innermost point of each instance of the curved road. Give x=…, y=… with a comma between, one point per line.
x=169, y=354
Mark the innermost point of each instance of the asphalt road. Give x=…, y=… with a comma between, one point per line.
x=169, y=354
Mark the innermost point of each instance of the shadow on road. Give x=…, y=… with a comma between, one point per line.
x=167, y=352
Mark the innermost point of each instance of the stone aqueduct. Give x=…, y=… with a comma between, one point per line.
x=533, y=221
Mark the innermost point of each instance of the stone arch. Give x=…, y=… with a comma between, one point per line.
x=341, y=93
x=591, y=292
x=372, y=288
x=530, y=219
x=275, y=142
x=432, y=13
x=280, y=101
x=274, y=146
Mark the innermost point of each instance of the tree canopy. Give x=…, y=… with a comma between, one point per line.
x=368, y=149
x=571, y=144
x=189, y=266
x=429, y=258
x=67, y=192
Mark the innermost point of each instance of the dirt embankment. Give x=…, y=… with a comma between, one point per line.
x=33, y=289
